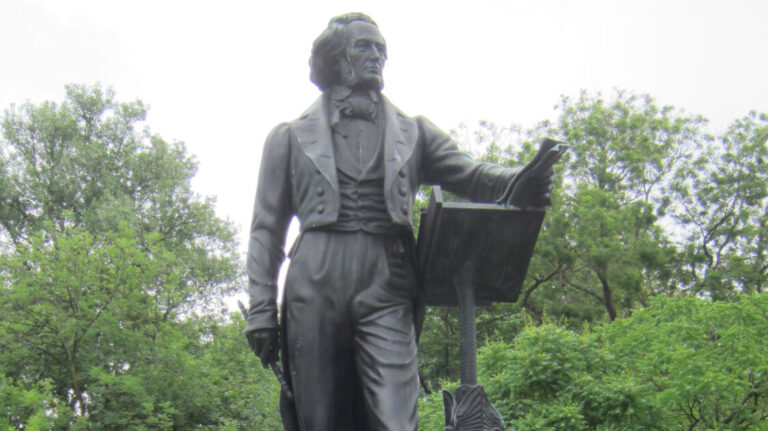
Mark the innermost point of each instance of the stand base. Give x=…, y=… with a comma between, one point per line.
x=470, y=410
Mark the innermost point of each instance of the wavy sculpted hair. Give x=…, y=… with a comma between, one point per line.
x=330, y=47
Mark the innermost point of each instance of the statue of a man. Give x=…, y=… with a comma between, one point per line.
x=349, y=168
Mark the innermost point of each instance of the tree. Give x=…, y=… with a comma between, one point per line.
x=70, y=303
x=722, y=206
x=83, y=163
x=603, y=241
x=109, y=260
x=189, y=383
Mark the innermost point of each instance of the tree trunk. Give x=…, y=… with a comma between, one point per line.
x=607, y=297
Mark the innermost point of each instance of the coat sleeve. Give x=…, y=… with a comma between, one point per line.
x=442, y=163
x=272, y=213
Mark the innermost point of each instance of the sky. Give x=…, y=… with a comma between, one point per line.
x=219, y=75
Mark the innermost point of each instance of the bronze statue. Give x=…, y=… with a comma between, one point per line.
x=349, y=169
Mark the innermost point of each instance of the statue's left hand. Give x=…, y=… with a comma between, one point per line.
x=532, y=185
x=534, y=191
x=540, y=187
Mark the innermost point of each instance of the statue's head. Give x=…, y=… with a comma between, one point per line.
x=350, y=52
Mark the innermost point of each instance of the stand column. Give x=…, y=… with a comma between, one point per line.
x=465, y=293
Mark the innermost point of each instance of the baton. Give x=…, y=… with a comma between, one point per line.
x=272, y=363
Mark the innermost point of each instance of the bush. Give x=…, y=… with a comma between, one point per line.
x=681, y=363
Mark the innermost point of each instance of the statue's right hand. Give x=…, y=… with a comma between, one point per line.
x=265, y=343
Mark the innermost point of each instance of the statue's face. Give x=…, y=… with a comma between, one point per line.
x=366, y=53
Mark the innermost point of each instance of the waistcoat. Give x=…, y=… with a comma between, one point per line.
x=359, y=152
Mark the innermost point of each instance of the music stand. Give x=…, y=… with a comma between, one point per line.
x=473, y=254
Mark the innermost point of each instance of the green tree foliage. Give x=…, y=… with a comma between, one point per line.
x=186, y=383
x=25, y=406
x=554, y=379
x=246, y=395
x=680, y=363
x=82, y=163
x=71, y=303
x=704, y=360
x=603, y=242
x=110, y=268
x=722, y=205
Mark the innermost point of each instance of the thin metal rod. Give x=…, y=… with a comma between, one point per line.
x=465, y=292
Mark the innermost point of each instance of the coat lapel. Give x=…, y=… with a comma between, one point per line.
x=399, y=142
x=313, y=133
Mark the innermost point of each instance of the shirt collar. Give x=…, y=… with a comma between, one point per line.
x=339, y=94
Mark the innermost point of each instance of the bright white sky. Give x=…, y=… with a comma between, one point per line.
x=219, y=75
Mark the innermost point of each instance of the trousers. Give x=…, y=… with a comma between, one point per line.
x=349, y=332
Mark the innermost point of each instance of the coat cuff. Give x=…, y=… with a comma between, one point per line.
x=262, y=312
x=262, y=319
